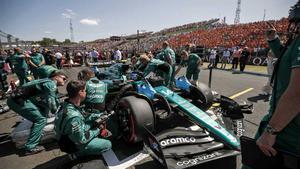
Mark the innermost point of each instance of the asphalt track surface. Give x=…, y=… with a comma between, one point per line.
x=224, y=82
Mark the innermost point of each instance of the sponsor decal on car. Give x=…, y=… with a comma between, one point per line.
x=238, y=127
x=153, y=144
x=167, y=92
x=177, y=140
x=198, y=159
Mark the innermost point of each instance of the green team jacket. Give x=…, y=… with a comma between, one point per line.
x=191, y=62
x=289, y=138
x=96, y=91
x=45, y=71
x=18, y=62
x=152, y=66
x=166, y=53
x=74, y=125
x=37, y=58
x=43, y=94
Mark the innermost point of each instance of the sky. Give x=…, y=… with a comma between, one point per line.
x=95, y=19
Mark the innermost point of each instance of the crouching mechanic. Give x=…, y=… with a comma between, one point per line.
x=96, y=91
x=45, y=71
x=75, y=135
x=136, y=64
x=160, y=68
x=193, y=63
x=34, y=101
x=95, y=103
x=115, y=71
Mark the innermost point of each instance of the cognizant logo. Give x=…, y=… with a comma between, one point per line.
x=238, y=127
x=177, y=140
x=198, y=159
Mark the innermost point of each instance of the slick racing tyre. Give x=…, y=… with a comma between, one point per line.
x=134, y=114
x=202, y=96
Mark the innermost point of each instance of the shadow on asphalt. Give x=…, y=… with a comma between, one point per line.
x=64, y=162
x=255, y=99
x=9, y=148
x=57, y=162
x=148, y=164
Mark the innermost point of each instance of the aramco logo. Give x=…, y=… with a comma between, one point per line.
x=177, y=140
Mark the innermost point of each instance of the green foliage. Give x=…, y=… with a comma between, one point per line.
x=67, y=41
x=48, y=42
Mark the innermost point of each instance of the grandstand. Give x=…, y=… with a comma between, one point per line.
x=211, y=33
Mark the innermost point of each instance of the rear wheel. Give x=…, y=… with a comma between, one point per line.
x=134, y=114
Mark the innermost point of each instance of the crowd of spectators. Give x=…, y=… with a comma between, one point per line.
x=249, y=34
x=196, y=25
x=208, y=34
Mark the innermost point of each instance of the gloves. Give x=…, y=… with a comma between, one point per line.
x=103, y=133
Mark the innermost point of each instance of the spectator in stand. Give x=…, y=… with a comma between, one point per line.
x=117, y=54
x=244, y=58
x=58, y=57
x=225, y=58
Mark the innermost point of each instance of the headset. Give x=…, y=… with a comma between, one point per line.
x=294, y=19
x=294, y=13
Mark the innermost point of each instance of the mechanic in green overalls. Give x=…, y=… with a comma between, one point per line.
x=96, y=91
x=34, y=102
x=115, y=71
x=193, y=63
x=35, y=61
x=168, y=55
x=280, y=128
x=20, y=66
x=160, y=68
x=45, y=71
x=136, y=64
x=71, y=122
x=95, y=103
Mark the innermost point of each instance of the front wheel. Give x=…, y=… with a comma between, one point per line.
x=202, y=96
x=134, y=114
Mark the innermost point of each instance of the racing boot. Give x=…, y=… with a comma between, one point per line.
x=35, y=150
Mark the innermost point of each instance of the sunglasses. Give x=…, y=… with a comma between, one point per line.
x=64, y=78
